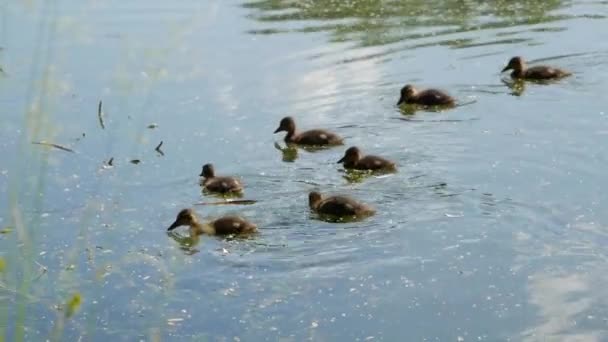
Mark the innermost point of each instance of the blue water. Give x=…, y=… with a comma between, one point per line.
x=493, y=229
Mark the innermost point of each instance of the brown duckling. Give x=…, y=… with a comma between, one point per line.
x=214, y=183
x=340, y=206
x=317, y=137
x=427, y=97
x=222, y=226
x=540, y=72
x=354, y=160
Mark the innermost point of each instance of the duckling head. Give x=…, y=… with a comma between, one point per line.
x=407, y=92
x=208, y=171
x=351, y=155
x=287, y=125
x=314, y=198
x=186, y=217
x=516, y=63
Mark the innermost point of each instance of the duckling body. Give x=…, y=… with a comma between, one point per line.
x=340, y=206
x=225, y=225
x=540, y=72
x=427, y=97
x=313, y=137
x=218, y=184
x=353, y=159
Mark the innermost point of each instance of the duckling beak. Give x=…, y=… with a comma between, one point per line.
x=401, y=100
x=341, y=160
x=278, y=130
x=174, y=225
x=506, y=68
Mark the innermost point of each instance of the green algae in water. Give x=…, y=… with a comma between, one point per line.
x=73, y=305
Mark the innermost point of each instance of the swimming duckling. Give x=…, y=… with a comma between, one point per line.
x=353, y=160
x=223, y=185
x=540, y=72
x=312, y=137
x=340, y=206
x=222, y=226
x=427, y=97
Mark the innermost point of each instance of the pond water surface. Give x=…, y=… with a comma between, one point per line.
x=494, y=228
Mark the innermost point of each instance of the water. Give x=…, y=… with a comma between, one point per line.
x=493, y=229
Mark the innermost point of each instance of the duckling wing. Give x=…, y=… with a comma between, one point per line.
x=233, y=225
x=544, y=72
x=433, y=97
x=223, y=184
x=374, y=163
x=339, y=206
x=318, y=137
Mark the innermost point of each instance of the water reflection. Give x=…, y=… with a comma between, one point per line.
x=358, y=176
x=517, y=86
x=411, y=109
x=565, y=304
x=379, y=22
x=338, y=219
x=226, y=196
x=187, y=243
x=290, y=153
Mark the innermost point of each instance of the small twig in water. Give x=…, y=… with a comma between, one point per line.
x=158, y=149
x=100, y=115
x=135, y=161
x=108, y=164
x=42, y=270
x=44, y=143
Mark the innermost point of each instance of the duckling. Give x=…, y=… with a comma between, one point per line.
x=223, y=185
x=340, y=206
x=353, y=160
x=540, y=72
x=312, y=137
x=427, y=97
x=222, y=226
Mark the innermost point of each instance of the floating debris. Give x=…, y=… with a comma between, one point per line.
x=109, y=164
x=174, y=321
x=2, y=265
x=44, y=143
x=158, y=149
x=100, y=115
x=228, y=201
x=6, y=230
x=135, y=161
x=152, y=126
